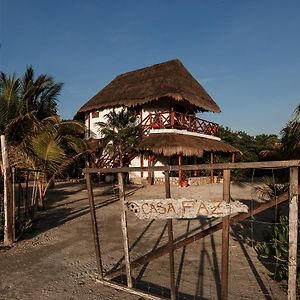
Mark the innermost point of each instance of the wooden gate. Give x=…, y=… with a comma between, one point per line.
x=188, y=210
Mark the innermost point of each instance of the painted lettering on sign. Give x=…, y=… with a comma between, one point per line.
x=183, y=208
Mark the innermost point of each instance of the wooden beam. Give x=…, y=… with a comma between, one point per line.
x=233, y=158
x=9, y=217
x=205, y=232
x=132, y=291
x=179, y=164
x=211, y=170
x=149, y=170
x=221, y=166
x=94, y=224
x=142, y=164
x=124, y=229
x=89, y=125
x=293, y=234
x=196, y=171
x=225, y=238
x=170, y=241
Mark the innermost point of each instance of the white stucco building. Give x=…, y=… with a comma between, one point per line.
x=166, y=101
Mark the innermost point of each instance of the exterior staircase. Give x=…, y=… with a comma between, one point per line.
x=108, y=161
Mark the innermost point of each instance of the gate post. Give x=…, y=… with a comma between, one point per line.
x=124, y=229
x=9, y=225
x=293, y=232
x=94, y=223
x=170, y=240
x=225, y=237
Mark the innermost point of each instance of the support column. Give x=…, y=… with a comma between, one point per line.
x=149, y=172
x=179, y=164
x=142, y=163
x=89, y=125
x=233, y=157
x=211, y=171
x=152, y=172
x=195, y=173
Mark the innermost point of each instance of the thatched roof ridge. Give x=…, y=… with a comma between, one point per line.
x=168, y=79
x=170, y=144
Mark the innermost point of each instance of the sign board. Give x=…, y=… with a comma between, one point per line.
x=183, y=208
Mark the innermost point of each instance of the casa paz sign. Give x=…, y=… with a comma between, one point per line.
x=184, y=208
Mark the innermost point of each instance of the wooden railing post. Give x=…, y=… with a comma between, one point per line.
x=150, y=117
x=172, y=118
x=225, y=237
x=293, y=233
x=212, y=160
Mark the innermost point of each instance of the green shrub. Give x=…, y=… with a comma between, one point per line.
x=275, y=247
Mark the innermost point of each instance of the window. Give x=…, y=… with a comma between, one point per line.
x=95, y=114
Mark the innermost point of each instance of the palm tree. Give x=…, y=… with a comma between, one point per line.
x=25, y=101
x=296, y=114
x=119, y=133
x=37, y=138
x=9, y=99
x=289, y=145
x=51, y=148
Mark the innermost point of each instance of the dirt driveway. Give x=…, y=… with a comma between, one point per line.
x=56, y=260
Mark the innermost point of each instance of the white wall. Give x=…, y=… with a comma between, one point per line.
x=136, y=162
x=94, y=128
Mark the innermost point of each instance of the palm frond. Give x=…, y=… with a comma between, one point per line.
x=47, y=148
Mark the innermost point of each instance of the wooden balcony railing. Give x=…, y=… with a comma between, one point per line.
x=177, y=120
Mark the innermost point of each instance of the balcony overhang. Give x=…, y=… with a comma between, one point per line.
x=184, y=132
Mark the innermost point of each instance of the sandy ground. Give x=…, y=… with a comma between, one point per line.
x=56, y=259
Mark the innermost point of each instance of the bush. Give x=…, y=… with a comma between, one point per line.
x=275, y=247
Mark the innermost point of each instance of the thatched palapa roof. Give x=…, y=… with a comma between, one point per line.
x=170, y=144
x=165, y=80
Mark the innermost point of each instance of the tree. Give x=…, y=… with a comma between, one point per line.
x=50, y=148
x=250, y=146
x=119, y=133
x=26, y=97
x=296, y=114
x=290, y=141
x=289, y=145
x=37, y=137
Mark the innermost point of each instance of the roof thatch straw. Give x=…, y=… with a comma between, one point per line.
x=165, y=80
x=171, y=144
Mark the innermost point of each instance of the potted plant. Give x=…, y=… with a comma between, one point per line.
x=183, y=181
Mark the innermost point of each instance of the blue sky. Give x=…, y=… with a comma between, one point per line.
x=245, y=53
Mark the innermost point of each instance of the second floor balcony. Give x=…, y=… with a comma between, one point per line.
x=176, y=120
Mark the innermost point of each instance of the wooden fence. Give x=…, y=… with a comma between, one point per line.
x=24, y=199
x=224, y=224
